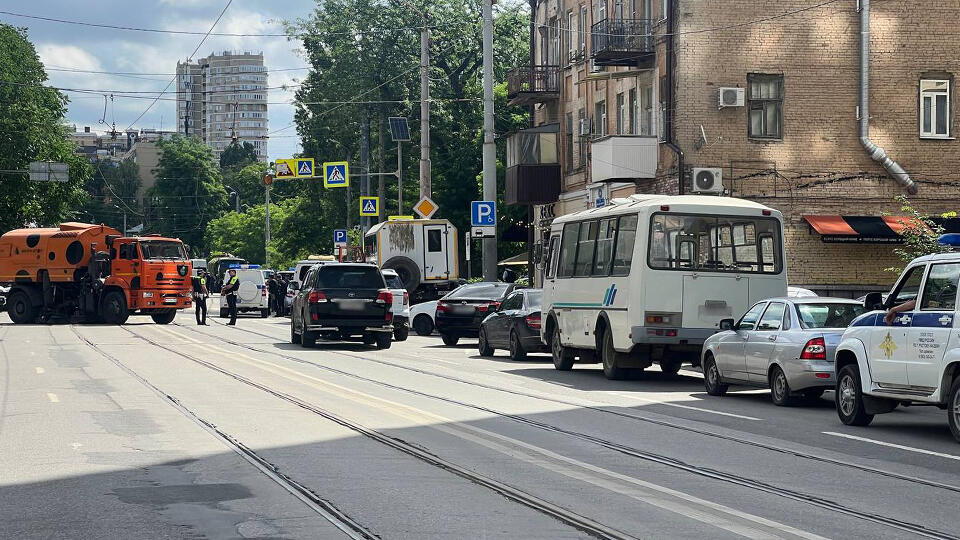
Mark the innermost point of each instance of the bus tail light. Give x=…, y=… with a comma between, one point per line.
x=662, y=319
x=533, y=320
x=815, y=349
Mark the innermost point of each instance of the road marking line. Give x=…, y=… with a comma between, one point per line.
x=53, y=398
x=893, y=445
x=39, y=370
x=167, y=331
x=698, y=409
x=653, y=494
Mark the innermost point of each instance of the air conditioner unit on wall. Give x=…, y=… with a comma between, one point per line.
x=732, y=97
x=707, y=180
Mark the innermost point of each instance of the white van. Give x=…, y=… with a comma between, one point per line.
x=648, y=278
x=252, y=294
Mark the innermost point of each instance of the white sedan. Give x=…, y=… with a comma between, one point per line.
x=421, y=317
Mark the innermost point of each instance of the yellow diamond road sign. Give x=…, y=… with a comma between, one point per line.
x=426, y=207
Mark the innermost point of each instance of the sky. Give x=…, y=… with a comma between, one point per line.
x=150, y=54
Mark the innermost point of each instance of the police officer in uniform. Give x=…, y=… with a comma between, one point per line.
x=200, y=294
x=230, y=289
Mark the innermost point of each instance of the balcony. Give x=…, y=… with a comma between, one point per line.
x=624, y=158
x=623, y=42
x=528, y=85
x=533, y=166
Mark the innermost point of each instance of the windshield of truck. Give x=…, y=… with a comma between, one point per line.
x=336, y=276
x=708, y=243
x=479, y=291
x=827, y=315
x=160, y=249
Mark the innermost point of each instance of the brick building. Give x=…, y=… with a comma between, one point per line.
x=631, y=90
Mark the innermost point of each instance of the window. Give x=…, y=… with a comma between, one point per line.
x=604, y=257
x=552, y=256
x=618, y=9
x=337, y=276
x=569, y=141
x=646, y=107
x=582, y=30
x=909, y=286
x=572, y=39
x=514, y=301
x=772, y=317
x=128, y=251
x=581, y=139
x=600, y=117
x=434, y=240
x=765, y=106
x=621, y=114
x=749, y=319
x=828, y=315
x=533, y=298
x=568, y=249
x=715, y=243
x=601, y=10
x=634, y=126
x=940, y=290
x=935, y=114
x=586, y=243
x=479, y=291
x=626, y=238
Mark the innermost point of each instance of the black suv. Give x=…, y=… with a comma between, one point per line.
x=341, y=301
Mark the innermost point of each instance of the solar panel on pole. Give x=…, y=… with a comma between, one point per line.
x=399, y=129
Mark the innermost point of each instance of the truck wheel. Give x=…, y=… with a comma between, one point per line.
x=953, y=408
x=611, y=358
x=400, y=333
x=165, y=317
x=113, y=308
x=408, y=271
x=422, y=325
x=849, y=398
x=384, y=340
x=562, y=356
x=21, y=309
x=670, y=367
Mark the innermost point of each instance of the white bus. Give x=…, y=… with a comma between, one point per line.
x=648, y=278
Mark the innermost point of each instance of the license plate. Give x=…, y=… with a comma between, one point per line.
x=169, y=300
x=352, y=305
x=464, y=310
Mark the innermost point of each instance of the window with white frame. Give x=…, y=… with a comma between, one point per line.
x=600, y=117
x=935, y=111
x=571, y=37
x=664, y=9
x=621, y=114
x=632, y=107
x=601, y=10
x=582, y=29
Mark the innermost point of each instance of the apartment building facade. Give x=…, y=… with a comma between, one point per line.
x=760, y=99
x=223, y=98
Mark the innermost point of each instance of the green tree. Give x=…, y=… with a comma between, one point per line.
x=112, y=189
x=188, y=193
x=248, y=183
x=243, y=234
x=32, y=129
x=238, y=155
x=920, y=234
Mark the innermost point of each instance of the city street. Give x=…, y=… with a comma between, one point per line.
x=173, y=431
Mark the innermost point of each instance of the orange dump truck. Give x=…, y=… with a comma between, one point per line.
x=93, y=272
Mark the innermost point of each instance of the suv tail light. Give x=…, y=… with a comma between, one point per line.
x=406, y=298
x=263, y=292
x=533, y=320
x=443, y=307
x=384, y=296
x=317, y=297
x=815, y=349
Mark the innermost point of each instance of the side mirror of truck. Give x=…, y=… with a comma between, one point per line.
x=873, y=301
x=727, y=324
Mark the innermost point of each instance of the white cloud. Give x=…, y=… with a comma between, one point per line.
x=53, y=54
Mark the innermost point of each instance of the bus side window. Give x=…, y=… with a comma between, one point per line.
x=604, y=258
x=767, y=256
x=552, y=256
x=626, y=240
x=585, y=248
x=568, y=249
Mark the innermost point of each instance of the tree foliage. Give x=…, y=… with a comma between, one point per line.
x=188, y=192
x=238, y=155
x=243, y=234
x=248, y=183
x=32, y=129
x=920, y=234
x=112, y=189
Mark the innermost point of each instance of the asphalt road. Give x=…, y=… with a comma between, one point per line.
x=185, y=431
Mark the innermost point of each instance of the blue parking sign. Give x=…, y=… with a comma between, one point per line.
x=483, y=214
x=339, y=237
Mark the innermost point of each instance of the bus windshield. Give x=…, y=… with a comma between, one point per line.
x=709, y=243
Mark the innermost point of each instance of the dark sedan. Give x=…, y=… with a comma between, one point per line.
x=460, y=313
x=515, y=326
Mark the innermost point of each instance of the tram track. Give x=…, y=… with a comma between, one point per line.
x=714, y=474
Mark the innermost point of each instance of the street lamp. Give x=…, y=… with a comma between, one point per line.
x=236, y=196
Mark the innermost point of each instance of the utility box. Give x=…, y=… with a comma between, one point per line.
x=422, y=251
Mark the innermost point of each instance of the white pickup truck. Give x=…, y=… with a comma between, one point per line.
x=907, y=351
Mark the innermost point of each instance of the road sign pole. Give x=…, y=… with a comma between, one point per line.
x=426, y=189
x=399, y=181
x=266, y=229
x=489, y=145
x=469, y=243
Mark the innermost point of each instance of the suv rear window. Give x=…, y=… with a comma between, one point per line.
x=349, y=277
x=393, y=282
x=482, y=291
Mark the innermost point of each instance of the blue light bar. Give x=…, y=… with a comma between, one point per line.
x=234, y=265
x=951, y=239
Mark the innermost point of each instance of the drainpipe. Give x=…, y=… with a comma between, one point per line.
x=670, y=140
x=875, y=152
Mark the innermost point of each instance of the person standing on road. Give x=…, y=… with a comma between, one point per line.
x=200, y=294
x=230, y=289
x=272, y=293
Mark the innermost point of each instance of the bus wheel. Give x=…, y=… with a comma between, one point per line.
x=610, y=358
x=562, y=356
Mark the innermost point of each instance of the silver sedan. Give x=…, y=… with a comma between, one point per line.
x=785, y=344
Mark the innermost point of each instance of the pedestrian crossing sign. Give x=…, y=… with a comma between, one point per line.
x=305, y=167
x=336, y=174
x=370, y=206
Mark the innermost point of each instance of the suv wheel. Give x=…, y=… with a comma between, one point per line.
x=711, y=378
x=849, y=398
x=562, y=356
x=450, y=340
x=294, y=338
x=483, y=346
x=953, y=408
x=401, y=332
x=780, y=388
x=307, y=338
x=384, y=340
